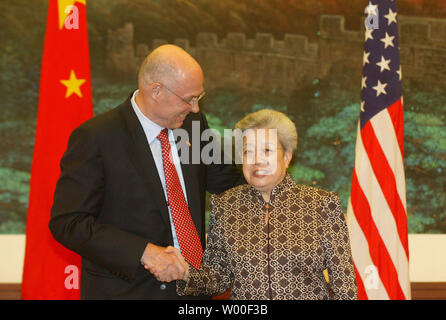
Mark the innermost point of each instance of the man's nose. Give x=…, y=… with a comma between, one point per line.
x=195, y=108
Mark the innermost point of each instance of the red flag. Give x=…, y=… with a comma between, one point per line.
x=51, y=271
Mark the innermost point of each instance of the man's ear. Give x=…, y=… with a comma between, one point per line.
x=155, y=90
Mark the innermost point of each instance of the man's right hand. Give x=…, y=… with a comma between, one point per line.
x=163, y=264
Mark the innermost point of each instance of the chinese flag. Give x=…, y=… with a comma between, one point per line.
x=51, y=271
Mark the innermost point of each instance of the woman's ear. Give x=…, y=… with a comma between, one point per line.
x=288, y=156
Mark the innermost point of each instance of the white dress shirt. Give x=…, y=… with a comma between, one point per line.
x=152, y=130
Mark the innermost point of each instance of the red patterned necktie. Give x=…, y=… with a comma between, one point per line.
x=187, y=234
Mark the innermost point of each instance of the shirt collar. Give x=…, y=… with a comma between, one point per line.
x=151, y=128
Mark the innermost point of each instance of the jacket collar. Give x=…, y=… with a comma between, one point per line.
x=151, y=129
x=283, y=186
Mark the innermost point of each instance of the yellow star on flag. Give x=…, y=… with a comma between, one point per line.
x=73, y=85
x=62, y=6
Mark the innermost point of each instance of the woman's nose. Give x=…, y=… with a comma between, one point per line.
x=260, y=158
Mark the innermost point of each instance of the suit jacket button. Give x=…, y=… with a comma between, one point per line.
x=163, y=287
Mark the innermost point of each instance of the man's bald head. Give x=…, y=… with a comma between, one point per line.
x=170, y=82
x=167, y=64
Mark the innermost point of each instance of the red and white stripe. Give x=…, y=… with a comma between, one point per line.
x=376, y=214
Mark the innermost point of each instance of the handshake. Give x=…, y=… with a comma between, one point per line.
x=166, y=264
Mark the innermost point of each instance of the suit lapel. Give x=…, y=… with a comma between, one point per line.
x=142, y=157
x=191, y=180
x=192, y=191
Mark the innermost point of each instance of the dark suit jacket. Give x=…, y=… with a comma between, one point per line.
x=109, y=203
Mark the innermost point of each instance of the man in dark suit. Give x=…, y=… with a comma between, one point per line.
x=112, y=204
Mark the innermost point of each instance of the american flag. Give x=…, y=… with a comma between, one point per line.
x=376, y=214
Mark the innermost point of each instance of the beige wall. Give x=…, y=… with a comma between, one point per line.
x=427, y=258
x=12, y=249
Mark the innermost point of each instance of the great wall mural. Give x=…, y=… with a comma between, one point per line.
x=267, y=63
x=300, y=57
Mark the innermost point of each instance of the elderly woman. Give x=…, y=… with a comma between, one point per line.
x=273, y=238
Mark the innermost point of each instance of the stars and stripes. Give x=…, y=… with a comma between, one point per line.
x=377, y=215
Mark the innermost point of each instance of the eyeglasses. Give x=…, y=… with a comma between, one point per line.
x=191, y=101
